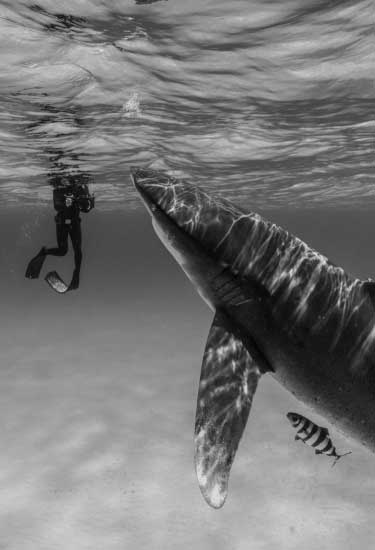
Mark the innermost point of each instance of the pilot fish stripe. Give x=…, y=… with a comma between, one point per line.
x=303, y=423
x=326, y=447
x=321, y=442
x=313, y=435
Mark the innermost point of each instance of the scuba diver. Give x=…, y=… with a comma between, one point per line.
x=71, y=196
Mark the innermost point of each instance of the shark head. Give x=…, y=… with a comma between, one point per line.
x=198, y=228
x=210, y=221
x=214, y=222
x=177, y=218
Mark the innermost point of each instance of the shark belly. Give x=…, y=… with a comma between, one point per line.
x=346, y=402
x=337, y=383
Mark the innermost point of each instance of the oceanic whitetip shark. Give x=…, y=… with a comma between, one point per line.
x=279, y=307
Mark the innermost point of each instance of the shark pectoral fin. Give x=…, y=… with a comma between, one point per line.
x=229, y=378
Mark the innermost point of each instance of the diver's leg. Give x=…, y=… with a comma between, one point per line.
x=35, y=265
x=76, y=238
x=62, y=232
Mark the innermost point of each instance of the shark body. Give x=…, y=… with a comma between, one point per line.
x=279, y=307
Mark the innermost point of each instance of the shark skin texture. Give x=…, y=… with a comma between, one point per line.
x=280, y=308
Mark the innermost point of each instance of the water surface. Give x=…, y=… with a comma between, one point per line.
x=268, y=102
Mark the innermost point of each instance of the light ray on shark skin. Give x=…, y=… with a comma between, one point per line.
x=280, y=307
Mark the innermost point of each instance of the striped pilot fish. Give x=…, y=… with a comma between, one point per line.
x=314, y=435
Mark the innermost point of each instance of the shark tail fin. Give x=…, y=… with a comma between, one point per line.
x=229, y=378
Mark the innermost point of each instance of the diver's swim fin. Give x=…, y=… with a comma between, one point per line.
x=55, y=281
x=35, y=265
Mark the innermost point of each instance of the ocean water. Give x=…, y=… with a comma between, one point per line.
x=266, y=101
x=272, y=105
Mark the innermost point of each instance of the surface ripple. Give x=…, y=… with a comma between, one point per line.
x=269, y=103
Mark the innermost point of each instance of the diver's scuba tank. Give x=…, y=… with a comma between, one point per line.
x=59, y=199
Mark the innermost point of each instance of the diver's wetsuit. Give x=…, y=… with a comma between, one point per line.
x=68, y=200
x=68, y=223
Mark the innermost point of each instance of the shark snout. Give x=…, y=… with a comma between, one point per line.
x=140, y=179
x=220, y=229
x=154, y=187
